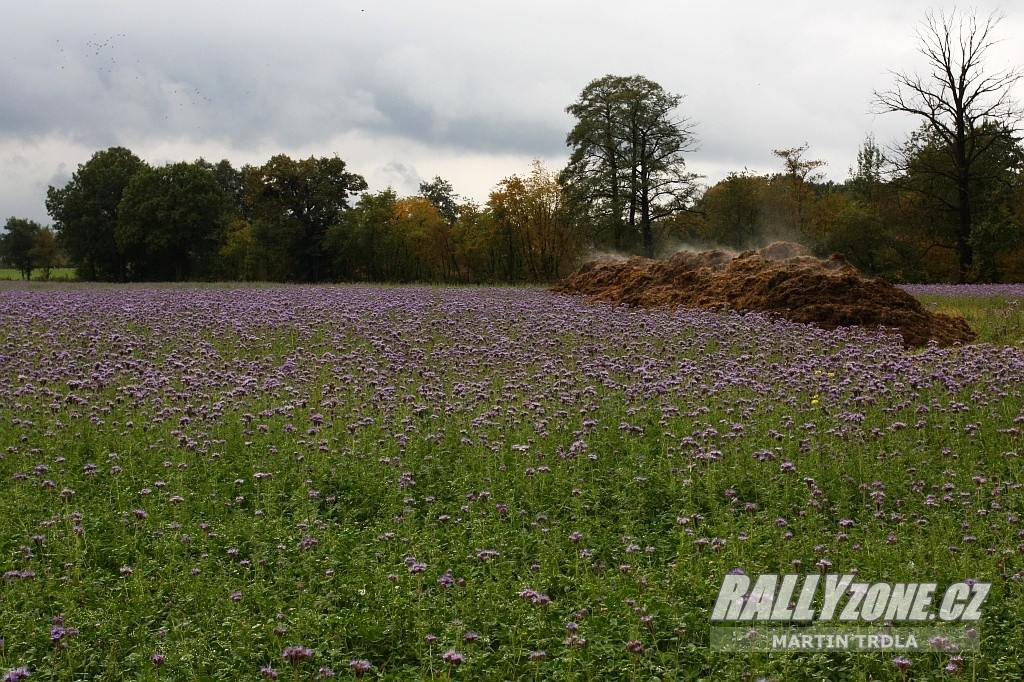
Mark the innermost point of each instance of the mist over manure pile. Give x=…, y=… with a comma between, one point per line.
x=783, y=279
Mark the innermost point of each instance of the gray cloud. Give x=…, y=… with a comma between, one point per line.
x=450, y=85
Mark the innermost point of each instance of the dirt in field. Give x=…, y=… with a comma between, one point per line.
x=783, y=278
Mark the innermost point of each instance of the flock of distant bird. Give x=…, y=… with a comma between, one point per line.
x=101, y=51
x=102, y=56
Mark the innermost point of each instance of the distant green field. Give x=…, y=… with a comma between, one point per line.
x=998, y=320
x=37, y=274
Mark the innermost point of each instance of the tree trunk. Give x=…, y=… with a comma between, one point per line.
x=963, y=233
x=645, y=217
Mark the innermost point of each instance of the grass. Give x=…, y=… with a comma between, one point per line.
x=997, y=319
x=56, y=274
x=197, y=478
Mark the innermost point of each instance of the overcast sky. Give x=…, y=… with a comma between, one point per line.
x=471, y=90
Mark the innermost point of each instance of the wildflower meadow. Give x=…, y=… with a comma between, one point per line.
x=302, y=483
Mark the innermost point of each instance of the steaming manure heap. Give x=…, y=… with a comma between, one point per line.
x=782, y=279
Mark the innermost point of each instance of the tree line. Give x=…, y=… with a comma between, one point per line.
x=946, y=204
x=303, y=220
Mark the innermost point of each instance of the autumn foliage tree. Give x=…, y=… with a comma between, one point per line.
x=542, y=235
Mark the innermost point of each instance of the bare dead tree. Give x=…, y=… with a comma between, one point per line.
x=961, y=100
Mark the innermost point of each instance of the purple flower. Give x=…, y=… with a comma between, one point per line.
x=268, y=672
x=16, y=674
x=453, y=657
x=534, y=596
x=360, y=666
x=297, y=654
x=59, y=634
x=901, y=662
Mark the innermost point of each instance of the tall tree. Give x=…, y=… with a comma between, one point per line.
x=797, y=184
x=627, y=162
x=442, y=195
x=928, y=173
x=17, y=243
x=171, y=220
x=958, y=99
x=85, y=213
x=595, y=173
x=299, y=201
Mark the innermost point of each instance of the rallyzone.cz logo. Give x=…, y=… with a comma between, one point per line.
x=869, y=611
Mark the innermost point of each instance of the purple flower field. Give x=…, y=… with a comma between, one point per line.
x=959, y=290
x=494, y=483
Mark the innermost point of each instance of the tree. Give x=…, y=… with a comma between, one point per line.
x=85, y=213
x=531, y=212
x=626, y=165
x=797, y=184
x=232, y=181
x=928, y=175
x=170, y=221
x=17, y=244
x=364, y=247
x=733, y=210
x=442, y=195
x=475, y=240
x=958, y=100
x=867, y=179
x=45, y=252
x=420, y=235
x=298, y=201
x=234, y=258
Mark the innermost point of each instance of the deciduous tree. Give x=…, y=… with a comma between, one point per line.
x=46, y=253
x=170, y=222
x=300, y=200
x=17, y=242
x=85, y=213
x=627, y=162
x=959, y=98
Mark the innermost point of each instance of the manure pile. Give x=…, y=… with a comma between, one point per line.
x=784, y=279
